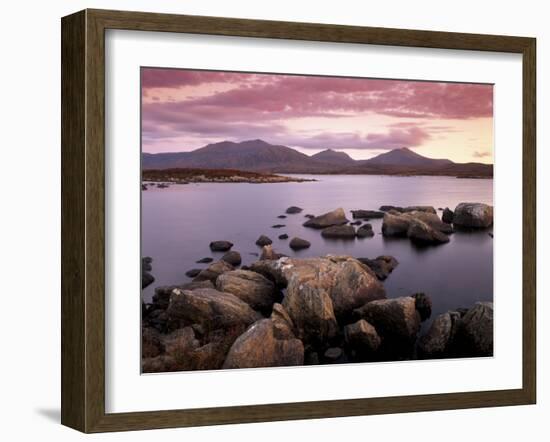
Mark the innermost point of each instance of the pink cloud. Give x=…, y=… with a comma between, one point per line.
x=259, y=105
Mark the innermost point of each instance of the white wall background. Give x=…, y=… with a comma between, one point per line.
x=30, y=217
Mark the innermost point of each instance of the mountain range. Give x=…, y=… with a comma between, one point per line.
x=260, y=156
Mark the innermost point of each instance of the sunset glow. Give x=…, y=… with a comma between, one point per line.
x=183, y=110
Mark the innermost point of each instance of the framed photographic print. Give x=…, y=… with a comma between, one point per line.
x=270, y=220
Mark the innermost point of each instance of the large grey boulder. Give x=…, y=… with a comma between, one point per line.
x=335, y=218
x=474, y=215
x=251, y=287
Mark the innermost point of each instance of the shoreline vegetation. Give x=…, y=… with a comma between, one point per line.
x=290, y=311
x=191, y=175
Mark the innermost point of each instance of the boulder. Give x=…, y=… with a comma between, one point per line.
x=395, y=225
x=436, y=342
x=347, y=281
x=299, y=243
x=192, y=272
x=264, y=345
x=473, y=215
x=394, y=319
x=206, y=260
x=179, y=344
x=251, y=287
x=209, y=308
x=335, y=218
x=310, y=307
x=423, y=305
x=220, y=246
x=269, y=253
x=342, y=232
x=233, y=258
x=432, y=220
x=476, y=330
x=362, y=338
x=421, y=233
x=151, y=343
x=263, y=241
x=214, y=270
x=367, y=214
x=293, y=209
x=382, y=266
x=161, y=298
x=365, y=231
x=447, y=216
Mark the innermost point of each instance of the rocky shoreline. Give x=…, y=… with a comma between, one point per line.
x=164, y=177
x=286, y=311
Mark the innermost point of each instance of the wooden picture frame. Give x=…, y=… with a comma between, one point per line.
x=83, y=219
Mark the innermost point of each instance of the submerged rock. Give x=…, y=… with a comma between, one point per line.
x=192, y=272
x=263, y=241
x=206, y=260
x=365, y=231
x=334, y=218
x=278, y=226
x=283, y=236
x=299, y=243
x=251, y=287
x=474, y=215
x=282, y=216
x=367, y=214
x=293, y=209
x=343, y=232
x=220, y=246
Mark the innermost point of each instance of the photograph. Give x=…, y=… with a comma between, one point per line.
x=301, y=220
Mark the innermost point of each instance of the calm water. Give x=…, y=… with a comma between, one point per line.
x=179, y=222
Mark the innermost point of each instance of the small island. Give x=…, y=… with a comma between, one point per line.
x=188, y=175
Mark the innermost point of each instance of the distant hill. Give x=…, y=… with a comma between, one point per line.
x=260, y=156
x=404, y=157
x=334, y=158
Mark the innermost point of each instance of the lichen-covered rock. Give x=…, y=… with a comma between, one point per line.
x=473, y=215
x=362, y=338
x=395, y=319
x=264, y=345
x=251, y=287
x=210, y=308
x=335, y=218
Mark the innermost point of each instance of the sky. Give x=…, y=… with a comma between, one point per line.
x=183, y=110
